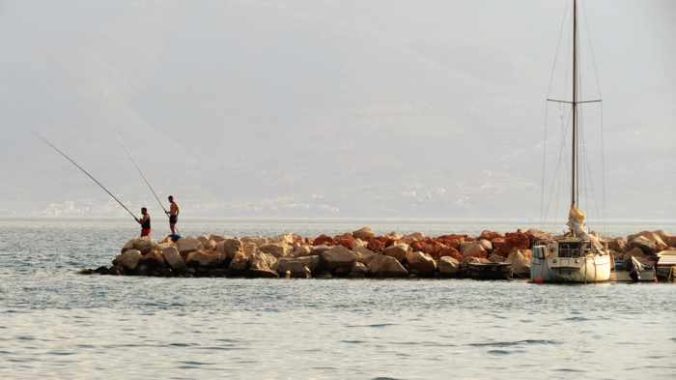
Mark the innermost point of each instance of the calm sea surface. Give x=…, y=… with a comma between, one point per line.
x=55, y=323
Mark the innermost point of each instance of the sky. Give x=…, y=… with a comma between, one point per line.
x=336, y=109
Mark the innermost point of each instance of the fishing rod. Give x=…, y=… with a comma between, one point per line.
x=44, y=139
x=145, y=179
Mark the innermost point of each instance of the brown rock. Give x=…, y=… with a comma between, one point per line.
x=386, y=266
x=376, y=245
x=364, y=255
x=239, y=263
x=488, y=246
x=262, y=261
x=346, y=240
x=187, y=245
x=128, y=260
x=618, y=244
x=301, y=250
x=473, y=249
x=338, y=257
x=421, y=263
x=152, y=259
x=448, y=266
x=323, y=240
x=173, y=258
x=298, y=267
x=489, y=235
x=636, y=252
x=364, y=233
x=398, y=251
x=648, y=246
x=203, y=258
x=143, y=245
x=452, y=252
x=520, y=260
x=359, y=270
x=229, y=247
x=276, y=249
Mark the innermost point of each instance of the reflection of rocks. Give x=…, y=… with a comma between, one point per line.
x=361, y=253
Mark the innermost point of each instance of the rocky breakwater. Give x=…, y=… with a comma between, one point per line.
x=359, y=254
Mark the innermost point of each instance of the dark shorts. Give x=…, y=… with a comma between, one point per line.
x=173, y=219
x=145, y=232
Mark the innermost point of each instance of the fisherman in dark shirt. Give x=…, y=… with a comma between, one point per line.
x=144, y=221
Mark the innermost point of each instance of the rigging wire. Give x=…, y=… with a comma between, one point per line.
x=544, y=210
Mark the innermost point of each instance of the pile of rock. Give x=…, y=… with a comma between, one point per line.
x=645, y=246
x=354, y=255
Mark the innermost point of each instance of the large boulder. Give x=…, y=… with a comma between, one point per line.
x=359, y=270
x=452, y=252
x=364, y=233
x=297, y=267
x=397, y=250
x=489, y=235
x=415, y=236
x=338, y=257
x=376, y=244
x=323, y=240
x=421, y=263
x=128, y=260
x=521, y=261
x=386, y=266
x=648, y=246
x=473, y=249
x=229, y=247
x=618, y=244
x=364, y=255
x=301, y=250
x=346, y=240
x=239, y=263
x=448, y=266
x=263, y=265
x=207, y=243
x=152, y=259
x=206, y=259
x=173, y=258
x=143, y=245
x=488, y=246
x=278, y=249
x=187, y=245
x=635, y=252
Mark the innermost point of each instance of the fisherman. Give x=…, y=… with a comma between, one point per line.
x=173, y=214
x=144, y=221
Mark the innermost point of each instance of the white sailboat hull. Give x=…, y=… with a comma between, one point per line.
x=587, y=269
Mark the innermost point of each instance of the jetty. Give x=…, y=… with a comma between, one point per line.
x=363, y=254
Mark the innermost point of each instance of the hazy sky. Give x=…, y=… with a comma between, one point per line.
x=365, y=108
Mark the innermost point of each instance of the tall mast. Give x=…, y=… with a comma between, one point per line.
x=574, y=179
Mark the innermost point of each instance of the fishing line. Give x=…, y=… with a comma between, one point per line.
x=44, y=139
x=140, y=172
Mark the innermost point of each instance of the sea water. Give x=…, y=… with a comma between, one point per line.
x=55, y=323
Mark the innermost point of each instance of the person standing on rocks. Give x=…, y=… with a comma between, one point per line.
x=144, y=221
x=173, y=214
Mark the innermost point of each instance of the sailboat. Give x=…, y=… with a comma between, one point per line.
x=577, y=256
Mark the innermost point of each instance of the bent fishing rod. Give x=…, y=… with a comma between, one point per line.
x=86, y=173
x=140, y=172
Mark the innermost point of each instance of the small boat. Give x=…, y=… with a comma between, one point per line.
x=577, y=256
x=632, y=270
